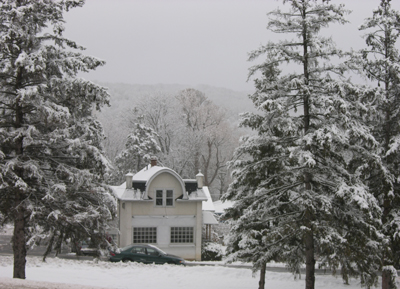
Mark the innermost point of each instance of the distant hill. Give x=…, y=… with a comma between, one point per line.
x=124, y=95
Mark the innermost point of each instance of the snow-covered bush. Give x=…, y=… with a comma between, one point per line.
x=211, y=252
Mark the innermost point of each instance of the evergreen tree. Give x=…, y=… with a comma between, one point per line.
x=140, y=146
x=380, y=62
x=52, y=164
x=298, y=184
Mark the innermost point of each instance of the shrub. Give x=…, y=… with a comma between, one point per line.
x=211, y=252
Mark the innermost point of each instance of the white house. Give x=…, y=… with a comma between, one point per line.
x=157, y=206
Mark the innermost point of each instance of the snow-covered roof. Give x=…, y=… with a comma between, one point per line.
x=132, y=195
x=198, y=195
x=119, y=190
x=221, y=206
x=146, y=175
x=208, y=218
x=208, y=205
x=149, y=171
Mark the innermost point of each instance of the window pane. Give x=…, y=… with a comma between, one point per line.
x=170, y=198
x=152, y=252
x=182, y=235
x=145, y=235
x=138, y=250
x=159, y=198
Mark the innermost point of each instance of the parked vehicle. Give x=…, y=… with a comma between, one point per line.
x=84, y=249
x=148, y=254
x=88, y=251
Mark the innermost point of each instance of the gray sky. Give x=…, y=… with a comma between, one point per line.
x=187, y=41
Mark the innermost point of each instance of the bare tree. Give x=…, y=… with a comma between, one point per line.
x=209, y=131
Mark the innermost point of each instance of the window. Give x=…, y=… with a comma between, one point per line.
x=152, y=252
x=145, y=235
x=164, y=198
x=159, y=198
x=181, y=234
x=169, y=200
x=138, y=250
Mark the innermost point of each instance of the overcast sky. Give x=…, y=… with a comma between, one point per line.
x=187, y=41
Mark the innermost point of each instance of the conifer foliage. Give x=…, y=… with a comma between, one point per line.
x=51, y=159
x=380, y=61
x=140, y=146
x=298, y=186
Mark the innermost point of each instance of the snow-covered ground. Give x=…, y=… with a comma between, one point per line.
x=72, y=274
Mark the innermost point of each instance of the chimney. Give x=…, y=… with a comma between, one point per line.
x=200, y=180
x=129, y=177
x=153, y=161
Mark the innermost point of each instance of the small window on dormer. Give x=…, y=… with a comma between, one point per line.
x=159, y=198
x=170, y=198
x=164, y=198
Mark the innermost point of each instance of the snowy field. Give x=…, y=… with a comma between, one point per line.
x=72, y=274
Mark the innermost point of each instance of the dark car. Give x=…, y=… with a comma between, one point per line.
x=88, y=251
x=148, y=254
x=85, y=249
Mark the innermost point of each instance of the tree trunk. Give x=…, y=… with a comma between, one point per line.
x=261, y=283
x=19, y=242
x=49, y=246
x=309, y=238
x=387, y=278
x=389, y=275
x=196, y=162
x=310, y=261
x=19, y=237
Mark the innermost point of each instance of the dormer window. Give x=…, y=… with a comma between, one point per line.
x=164, y=198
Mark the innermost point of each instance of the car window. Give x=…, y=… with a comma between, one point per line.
x=126, y=248
x=138, y=250
x=152, y=252
x=158, y=250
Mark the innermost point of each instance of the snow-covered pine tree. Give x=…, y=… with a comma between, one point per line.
x=298, y=184
x=140, y=146
x=51, y=160
x=380, y=62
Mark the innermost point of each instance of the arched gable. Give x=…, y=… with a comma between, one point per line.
x=169, y=171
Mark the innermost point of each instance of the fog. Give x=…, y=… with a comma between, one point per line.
x=187, y=42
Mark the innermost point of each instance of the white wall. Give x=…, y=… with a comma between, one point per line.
x=163, y=225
